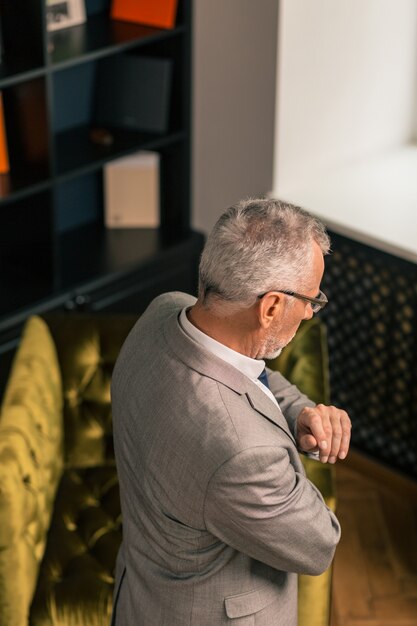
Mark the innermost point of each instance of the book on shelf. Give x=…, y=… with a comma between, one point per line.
x=131, y=191
x=64, y=13
x=4, y=153
x=159, y=13
x=134, y=92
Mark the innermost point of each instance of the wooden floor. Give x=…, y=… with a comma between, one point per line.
x=375, y=567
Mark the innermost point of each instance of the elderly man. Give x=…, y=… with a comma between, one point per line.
x=218, y=515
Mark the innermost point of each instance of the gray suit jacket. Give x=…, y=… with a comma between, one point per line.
x=218, y=516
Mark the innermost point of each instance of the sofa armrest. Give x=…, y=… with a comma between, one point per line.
x=31, y=463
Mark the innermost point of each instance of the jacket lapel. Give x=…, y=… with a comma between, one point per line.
x=263, y=405
x=202, y=361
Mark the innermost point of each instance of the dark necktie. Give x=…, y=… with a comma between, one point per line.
x=263, y=378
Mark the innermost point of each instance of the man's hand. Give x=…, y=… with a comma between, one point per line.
x=325, y=429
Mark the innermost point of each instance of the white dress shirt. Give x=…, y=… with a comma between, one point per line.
x=251, y=368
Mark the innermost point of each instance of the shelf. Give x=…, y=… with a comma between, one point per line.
x=89, y=258
x=100, y=36
x=14, y=188
x=10, y=74
x=92, y=257
x=90, y=254
x=77, y=154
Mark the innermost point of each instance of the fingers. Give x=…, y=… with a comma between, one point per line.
x=314, y=432
x=334, y=430
x=341, y=429
x=325, y=432
x=346, y=433
x=308, y=443
x=330, y=427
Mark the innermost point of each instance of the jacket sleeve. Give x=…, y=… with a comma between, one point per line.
x=290, y=399
x=258, y=504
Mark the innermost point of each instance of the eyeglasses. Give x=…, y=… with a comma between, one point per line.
x=317, y=303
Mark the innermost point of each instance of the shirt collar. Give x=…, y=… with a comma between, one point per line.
x=251, y=368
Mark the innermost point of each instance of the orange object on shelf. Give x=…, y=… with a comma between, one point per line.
x=4, y=154
x=160, y=13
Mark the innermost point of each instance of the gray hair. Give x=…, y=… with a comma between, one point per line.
x=256, y=246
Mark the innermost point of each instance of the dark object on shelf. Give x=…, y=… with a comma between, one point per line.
x=1, y=41
x=22, y=23
x=101, y=136
x=134, y=92
x=26, y=125
x=4, y=185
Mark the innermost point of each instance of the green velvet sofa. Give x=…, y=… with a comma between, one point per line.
x=60, y=522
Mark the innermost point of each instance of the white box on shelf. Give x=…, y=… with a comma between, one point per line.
x=131, y=191
x=64, y=13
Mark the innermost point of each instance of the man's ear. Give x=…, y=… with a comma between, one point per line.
x=269, y=308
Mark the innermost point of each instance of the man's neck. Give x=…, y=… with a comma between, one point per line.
x=235, y=331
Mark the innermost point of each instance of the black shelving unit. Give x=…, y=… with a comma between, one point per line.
x=55, y=251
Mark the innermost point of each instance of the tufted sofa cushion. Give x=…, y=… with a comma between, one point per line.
x=77, y=573
x=87, y=347
x=31, y=462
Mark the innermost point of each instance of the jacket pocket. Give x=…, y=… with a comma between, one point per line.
x=249, y=603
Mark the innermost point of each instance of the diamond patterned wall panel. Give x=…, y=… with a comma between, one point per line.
x=372, y=331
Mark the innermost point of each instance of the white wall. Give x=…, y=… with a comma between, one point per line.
x=347, y=76
x=234, y=71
